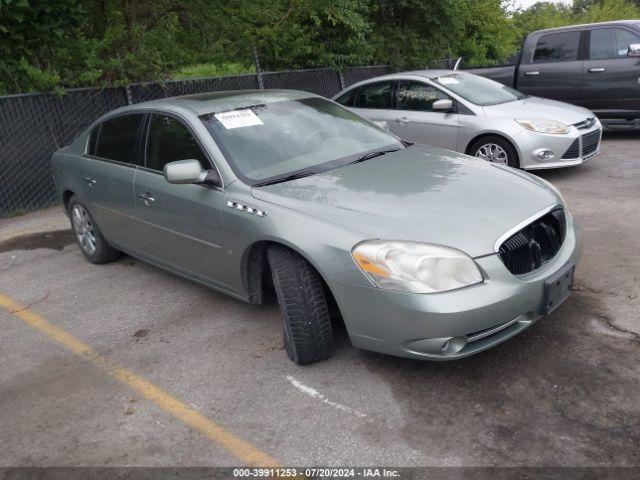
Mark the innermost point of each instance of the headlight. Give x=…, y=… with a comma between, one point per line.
x=543, y=126
x=415, y=267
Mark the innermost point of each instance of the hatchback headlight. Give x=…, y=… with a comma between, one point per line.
x=543, y=126
x=415, y=267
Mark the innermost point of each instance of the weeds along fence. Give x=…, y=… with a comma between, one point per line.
x=33, y=126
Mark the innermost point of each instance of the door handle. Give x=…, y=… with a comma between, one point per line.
x=90, y=181
x=533, y=73
x=402, y=120
x=597, y=70
x=146, y=198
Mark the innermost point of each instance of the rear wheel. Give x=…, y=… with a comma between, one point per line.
x=306, y=323
x=88, y=236
x=496, y=150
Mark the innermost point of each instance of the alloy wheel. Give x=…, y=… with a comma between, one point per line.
x=83, y=228
x=493, y=152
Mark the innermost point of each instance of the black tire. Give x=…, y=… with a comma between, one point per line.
x=509, y=149
x=306, y=323
x=102, y=251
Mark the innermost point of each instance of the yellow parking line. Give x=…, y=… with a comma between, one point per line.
x=239, y=448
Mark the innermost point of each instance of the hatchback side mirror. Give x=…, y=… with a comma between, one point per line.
x=634, y=50
x=189, y=171
x=442, y=105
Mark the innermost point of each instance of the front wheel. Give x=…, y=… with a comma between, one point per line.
x=306, y=323
x=496, y=150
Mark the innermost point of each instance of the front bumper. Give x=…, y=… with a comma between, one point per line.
x=530, y=143
x=455, y=324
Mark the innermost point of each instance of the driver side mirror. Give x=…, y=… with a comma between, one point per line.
x=634, y=50
x=443, y=105
x=190, y=171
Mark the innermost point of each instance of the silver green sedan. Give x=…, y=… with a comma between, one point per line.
x=423, y=252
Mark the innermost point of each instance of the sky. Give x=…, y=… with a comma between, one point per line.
x=528, y=3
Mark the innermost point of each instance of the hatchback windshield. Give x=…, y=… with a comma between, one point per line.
x=479, y=90
x=276, y=141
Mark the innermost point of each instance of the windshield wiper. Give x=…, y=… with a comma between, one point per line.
x=286, y=178
x=370, y=155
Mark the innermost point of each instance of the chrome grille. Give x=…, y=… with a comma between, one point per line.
x=534, y=245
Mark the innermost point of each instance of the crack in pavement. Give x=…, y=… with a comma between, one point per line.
x=609, y=323
x=34, y=302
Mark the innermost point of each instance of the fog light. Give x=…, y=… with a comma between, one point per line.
x=544, y=154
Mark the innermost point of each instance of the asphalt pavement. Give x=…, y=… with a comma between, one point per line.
x=127, y=365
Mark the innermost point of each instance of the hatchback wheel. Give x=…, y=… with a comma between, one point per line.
x=306, y=323
x=88, y=236
x=496, y=150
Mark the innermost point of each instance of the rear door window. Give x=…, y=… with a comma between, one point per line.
x=557, y=47
x=117, y=139
x=376, y=95
x=168, y=141
x=610, y=43
x=346, y=99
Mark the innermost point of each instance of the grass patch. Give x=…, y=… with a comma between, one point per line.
x=211, y=70
x=18, y=212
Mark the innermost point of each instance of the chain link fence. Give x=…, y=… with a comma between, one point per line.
x=33, y=126
x=143, y=92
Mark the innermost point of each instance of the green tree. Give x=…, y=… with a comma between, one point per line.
x=605, y=10
x=53, y=44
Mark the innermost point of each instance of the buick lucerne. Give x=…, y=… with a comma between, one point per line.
x=423, y=252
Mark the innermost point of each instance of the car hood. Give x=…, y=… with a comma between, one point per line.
x=535, y=107
x=421, y=194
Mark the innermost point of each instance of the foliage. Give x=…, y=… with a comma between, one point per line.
x=211, y=70
x=548, y=15
x=55, y=44
x=601, y=11
x=410, y=33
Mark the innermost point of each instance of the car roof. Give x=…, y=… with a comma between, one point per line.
x=414, y=73
x=630, y=23
x=403, y=75
x=204, y=103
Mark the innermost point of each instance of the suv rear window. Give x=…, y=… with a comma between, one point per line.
x=118, y=138
x=557, y=47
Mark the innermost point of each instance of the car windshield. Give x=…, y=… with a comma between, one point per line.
x=281, y=140
x=479, y=90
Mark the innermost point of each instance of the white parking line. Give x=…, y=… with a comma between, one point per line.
x=312, y=392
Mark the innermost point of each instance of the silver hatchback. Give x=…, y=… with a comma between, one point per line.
x=474, y=115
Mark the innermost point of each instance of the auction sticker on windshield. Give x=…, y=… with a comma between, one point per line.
x=448, y=80
x=238, y=118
